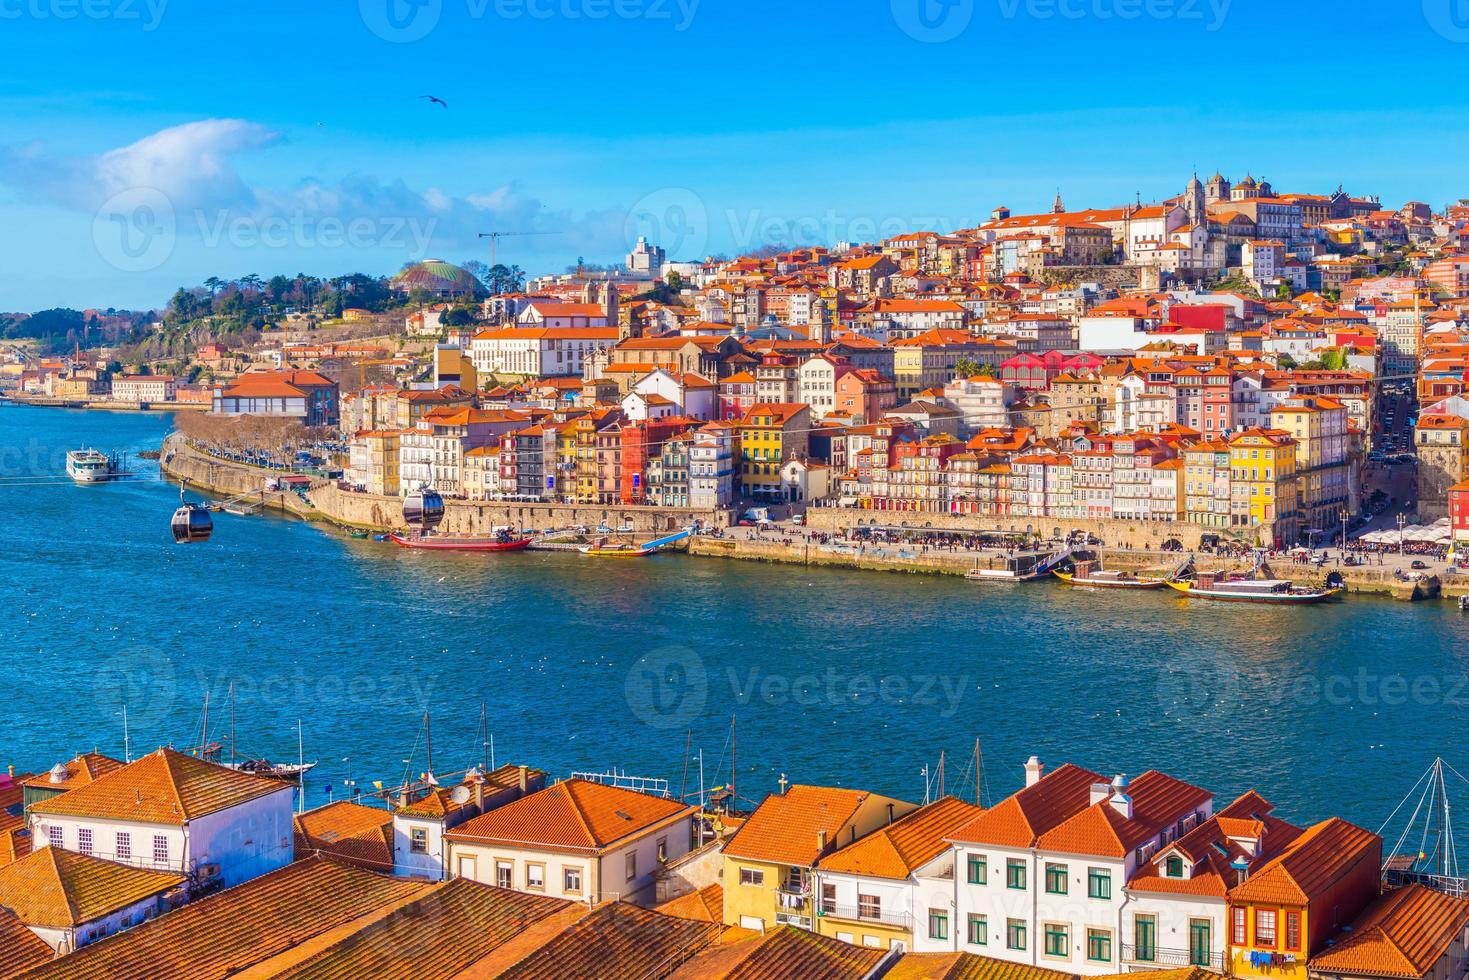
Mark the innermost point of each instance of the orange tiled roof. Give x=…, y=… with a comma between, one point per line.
x=1020, y=819
x=616, y=940
x=784, y=828
x=901, y=847
x=163, y=787
x=440, y=935
x=1402, y=934
x=968, y=966
x=349, y=832
x=1312, y=864
x=15, y=837
x=78, y=772
x=20, y=949
x=1158, y=800
x=221, y=935
x=781, y=954
x=704, y=905
x=576, y=814
x=58, y=889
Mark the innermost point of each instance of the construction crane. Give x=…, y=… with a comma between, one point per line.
x=495, y=236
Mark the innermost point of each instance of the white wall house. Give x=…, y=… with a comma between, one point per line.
x=577, y=839
x=171, y=812
x=1040, y=879
x=538, y=352
x=71, y=900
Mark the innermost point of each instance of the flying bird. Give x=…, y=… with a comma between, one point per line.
x=435, y=99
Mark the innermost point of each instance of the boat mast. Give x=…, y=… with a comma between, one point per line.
x=127, y=745
x=734, y=771
x=484, y=738
x=429, y=735
x=978, y=775
x=301, y=763
x=204, y=733
x=232, y=724
x=683, y=784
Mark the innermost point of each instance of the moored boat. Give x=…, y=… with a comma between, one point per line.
x=1087, y=576
x=91, y=466
x=1212, y=585
x=446, y=542
x=616, y=551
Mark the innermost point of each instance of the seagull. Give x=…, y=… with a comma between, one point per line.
x=435, y=99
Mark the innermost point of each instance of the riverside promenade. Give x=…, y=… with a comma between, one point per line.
x=827, y=545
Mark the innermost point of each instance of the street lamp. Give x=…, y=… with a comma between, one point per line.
x=1402, y=523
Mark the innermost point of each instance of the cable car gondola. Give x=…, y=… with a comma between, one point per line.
x=423, y=510
x=191, y=522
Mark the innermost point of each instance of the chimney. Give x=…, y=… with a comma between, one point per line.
x=479, y=793
x=524, y=778
x=1122, y=803
x=1100, y=791
x=821, y=840
x=1241, y=869
x=1033, y=770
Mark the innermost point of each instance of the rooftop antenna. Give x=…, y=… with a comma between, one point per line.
x=484, y=737
x=127, y=745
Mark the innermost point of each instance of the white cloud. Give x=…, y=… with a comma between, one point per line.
x=194, y=166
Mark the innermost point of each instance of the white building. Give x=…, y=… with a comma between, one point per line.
x=980, y=402
x=694, y=396
x=70, y=900
x=144, y=388
x=538, y=352
x=871, y=888
x=172, y=812
x=578, y=840
x=423, y=818
x=1040, y=879
x=816, y=383
x=712, y=469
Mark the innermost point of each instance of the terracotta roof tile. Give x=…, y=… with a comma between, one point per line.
x=350, y=832
x=704, y=905
x=223, y=934
x=1317, y=859
x=968, y=966
x=1402, y=934
x=900, y=848
x=784, y=828
x=80, y=771
x=20, y=949
x=616, y=940
x=576, y=813
x=786, y=953
x=1158, y=800
x=58, y=889
x=433, y=937
x=163, y=787
x=1020, y=819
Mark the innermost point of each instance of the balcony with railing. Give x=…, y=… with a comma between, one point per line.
x=865, y=913
x=1165, y=958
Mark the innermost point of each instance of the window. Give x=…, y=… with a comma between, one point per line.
x=1174, y=867
x=1058, y=943
x=1265, y=927
x=632, y=865
x=662, y=850
x=1145, y=938
x=84, y=840
x=1293, y=930
x=124, y=845
x=1056, y=879
x=535, y=877
x=1098, y=883
x=1014, y=874
x=938, y=924
x=1099, y=945
x=978, y=931
x=869, y=906
x=419, y=844
x=1015, y=933
x=978, y=869
x=504, y=874
x=752, y=876
x=54, y=837
x=160, y=849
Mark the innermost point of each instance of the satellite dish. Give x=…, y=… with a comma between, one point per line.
x=460, y=795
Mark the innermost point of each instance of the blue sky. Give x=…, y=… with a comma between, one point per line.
x=146, y=144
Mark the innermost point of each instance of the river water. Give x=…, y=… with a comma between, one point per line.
x=844, y=678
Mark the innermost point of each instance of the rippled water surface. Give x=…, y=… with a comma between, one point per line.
x=856, y=679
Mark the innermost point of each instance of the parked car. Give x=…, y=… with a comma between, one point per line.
x=1419, y=565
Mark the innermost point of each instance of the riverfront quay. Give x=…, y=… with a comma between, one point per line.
x=799, y=546
x=835, y=676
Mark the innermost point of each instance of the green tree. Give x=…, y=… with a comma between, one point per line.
x=674, y=280
x=966, y=367
x=1334, y=360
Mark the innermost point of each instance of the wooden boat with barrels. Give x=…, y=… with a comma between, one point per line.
x=1091, y=575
